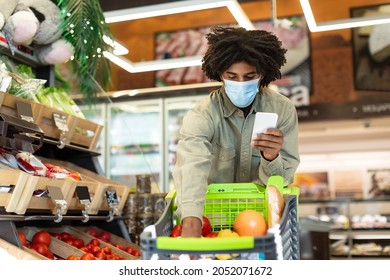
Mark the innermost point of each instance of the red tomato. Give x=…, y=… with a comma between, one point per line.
x=88, y=256
x=78, y=242
x=105, y=236
x=49, y=255
x=84, y=249
x=101, y=256
x=42, y=237
x=129, y=250
x=95, y=250
x=56, y=235
x=73, y=257
x=119, y=246
x=95, y=242
x=206, y=227
x=65, y=236
x=22, y=238
x=93, y=231
x=106, y=250
x=40, y=248
x=212, y=234
x=136, y=253
x=250, y=223
x=176, y=231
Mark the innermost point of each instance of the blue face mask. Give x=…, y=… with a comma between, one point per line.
x=241, y=94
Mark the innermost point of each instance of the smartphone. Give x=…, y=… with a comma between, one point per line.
x=263, y=121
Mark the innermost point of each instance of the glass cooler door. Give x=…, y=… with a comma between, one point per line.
x=134, y=140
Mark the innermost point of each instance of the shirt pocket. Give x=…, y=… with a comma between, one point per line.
x=223, y=166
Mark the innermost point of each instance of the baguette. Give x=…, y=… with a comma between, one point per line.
x=276, y=205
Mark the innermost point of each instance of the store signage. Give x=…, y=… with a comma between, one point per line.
x=342, y=111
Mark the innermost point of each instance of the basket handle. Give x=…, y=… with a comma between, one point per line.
x=276, y=181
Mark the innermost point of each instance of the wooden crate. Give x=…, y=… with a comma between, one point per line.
x=87, y=238
x=17, y=180
x=84, y=133
x=60, y=249
x=81, y=132
x=45, y=121
x=115, y=239
x=97, y=185
x=19, y=253
x=8, y=105
x=35, y=183
x=96, y=192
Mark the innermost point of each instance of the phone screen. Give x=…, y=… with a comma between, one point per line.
x=263, y=121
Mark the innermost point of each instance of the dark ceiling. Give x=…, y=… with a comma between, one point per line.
x=110, y=5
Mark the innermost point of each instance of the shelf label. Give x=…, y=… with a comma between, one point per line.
x=24, y=111
x=83, y=195
x=60, y=121
x=112, y=199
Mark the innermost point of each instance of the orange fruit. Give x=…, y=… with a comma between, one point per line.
x=250, y=223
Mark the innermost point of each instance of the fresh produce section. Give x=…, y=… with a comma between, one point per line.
x=67, y=243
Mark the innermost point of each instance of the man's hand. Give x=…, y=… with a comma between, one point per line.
x=192, y=227
x=269, y=143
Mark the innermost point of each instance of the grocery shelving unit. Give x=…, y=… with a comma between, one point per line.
x=354, y=232
x=78, y=155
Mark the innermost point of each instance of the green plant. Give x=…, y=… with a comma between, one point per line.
x=84, y=26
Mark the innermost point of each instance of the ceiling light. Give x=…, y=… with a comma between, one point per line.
x=118, y=49
x=134, y=92
x=340, y=24
x=154, y=65
x=179, y=7
x=168, y=9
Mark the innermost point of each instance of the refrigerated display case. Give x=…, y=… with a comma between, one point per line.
x=174, y=111
x=134, y=141
x=97, y=114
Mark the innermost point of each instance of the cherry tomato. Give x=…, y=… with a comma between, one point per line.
x=119, y=246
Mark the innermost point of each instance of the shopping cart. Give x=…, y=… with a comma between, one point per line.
x=222, y=205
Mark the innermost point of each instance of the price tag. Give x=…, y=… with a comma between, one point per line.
x=24, y=111
x=60, y=121
x=83, y=195
x=55, y=194
x=112, y=199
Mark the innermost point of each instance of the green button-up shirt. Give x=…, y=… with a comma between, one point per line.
x=214, y=147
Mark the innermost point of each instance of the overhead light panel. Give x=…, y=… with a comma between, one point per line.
x=169, y=9
x=154, y=65
x=177, y=8
x=340, y=24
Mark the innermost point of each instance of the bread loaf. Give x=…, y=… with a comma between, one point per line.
x=275, y=206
